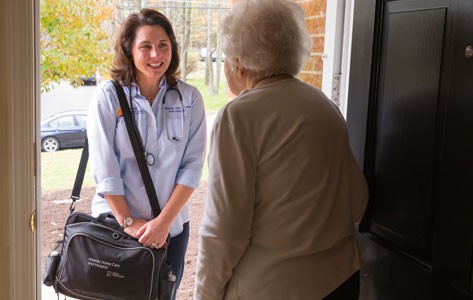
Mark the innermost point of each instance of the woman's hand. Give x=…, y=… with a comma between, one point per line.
x=154, y=233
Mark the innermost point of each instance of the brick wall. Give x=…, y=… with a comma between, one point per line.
x=315, y=18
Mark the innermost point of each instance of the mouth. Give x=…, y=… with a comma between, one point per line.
x=155, y=65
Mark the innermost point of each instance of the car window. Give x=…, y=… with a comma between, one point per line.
x=53, y=124
x=66, y=121
x=82, y=121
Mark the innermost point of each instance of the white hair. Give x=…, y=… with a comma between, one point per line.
x=266, y=36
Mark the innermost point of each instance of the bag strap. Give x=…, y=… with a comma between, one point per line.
x=138, y=149
x=75, y=195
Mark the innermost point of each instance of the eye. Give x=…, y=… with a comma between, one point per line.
x=145, y=46
x=163, y=45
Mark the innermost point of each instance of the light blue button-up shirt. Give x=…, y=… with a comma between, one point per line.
x=173, y=132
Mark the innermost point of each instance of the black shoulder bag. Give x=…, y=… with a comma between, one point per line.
x=97, y=259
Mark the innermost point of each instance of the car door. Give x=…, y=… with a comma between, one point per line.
x=81, y=130
x=67, y=131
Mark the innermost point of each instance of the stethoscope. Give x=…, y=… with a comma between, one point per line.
x=150, y=159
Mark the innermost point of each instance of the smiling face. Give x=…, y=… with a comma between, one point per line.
x=152, y=53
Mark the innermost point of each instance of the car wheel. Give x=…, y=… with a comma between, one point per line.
x=50, y=144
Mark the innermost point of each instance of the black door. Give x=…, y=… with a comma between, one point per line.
x=410, y=116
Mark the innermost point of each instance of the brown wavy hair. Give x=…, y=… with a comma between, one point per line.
x=123, y=68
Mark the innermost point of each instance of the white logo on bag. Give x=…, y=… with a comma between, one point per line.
x=102, y=264
x=105, y=265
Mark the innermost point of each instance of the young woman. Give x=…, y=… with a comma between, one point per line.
x=170, y=118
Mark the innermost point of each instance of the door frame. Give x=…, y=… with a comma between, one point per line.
x=19, y=155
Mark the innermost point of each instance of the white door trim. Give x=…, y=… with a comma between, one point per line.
x=337, y=51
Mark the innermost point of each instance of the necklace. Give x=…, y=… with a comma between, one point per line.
x=150, y=98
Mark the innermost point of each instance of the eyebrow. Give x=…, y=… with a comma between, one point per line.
x=149, y=42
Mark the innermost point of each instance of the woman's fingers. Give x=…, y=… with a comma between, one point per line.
x=149, y=237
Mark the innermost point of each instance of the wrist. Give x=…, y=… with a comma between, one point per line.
x=126, y=222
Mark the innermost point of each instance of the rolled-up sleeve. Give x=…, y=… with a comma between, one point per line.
x=101, y=126
x=190, y=169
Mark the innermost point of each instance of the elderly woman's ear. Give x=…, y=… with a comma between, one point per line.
x=236, y=75
x=245, y=74
x=234, y=66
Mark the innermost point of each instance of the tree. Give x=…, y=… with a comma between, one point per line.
x=219, y=57
x=75, y=39
x=185, y=38
x=209, y=66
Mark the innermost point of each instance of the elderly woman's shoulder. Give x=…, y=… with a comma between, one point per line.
x=230, y=109
x=306, y=88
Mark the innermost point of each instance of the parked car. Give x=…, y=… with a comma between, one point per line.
x=91, y=80
x=203, y=55
x=64, y=130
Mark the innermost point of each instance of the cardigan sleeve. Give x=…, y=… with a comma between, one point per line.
x=229, y=210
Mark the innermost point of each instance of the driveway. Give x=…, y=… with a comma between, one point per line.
x=64, y=97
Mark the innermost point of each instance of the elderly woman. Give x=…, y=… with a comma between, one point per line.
x=284, y=189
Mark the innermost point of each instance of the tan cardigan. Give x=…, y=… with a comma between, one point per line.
x=284, y=193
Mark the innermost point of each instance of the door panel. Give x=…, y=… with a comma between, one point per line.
x=404, y=134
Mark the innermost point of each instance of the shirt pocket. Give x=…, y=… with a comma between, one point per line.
x=176, y=123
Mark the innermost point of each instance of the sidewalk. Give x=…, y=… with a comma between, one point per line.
x=48, y=293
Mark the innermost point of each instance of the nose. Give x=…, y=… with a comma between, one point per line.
x=154, y=52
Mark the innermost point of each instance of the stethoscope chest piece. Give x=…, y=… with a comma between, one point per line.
x=150, y=160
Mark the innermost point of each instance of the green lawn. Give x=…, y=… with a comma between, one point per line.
x=58, y=170
x=212, y=102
